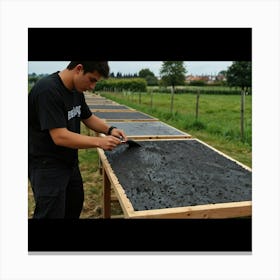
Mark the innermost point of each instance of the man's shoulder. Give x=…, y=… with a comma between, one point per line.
x=46, y=83
x=49, y=80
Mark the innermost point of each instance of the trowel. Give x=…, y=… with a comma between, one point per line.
x=131, y=143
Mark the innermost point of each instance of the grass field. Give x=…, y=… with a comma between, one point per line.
x=218, y=122
x=218, y=125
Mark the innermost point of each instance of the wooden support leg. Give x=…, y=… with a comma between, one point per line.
x=106, y=196
x=100, y=166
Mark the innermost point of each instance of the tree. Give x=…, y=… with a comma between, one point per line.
x=33, y=78
x=222, y=72
x=239, y=74
x=149, y=76
x=119, y=75
x=145, y=72
x=151, y=80
x=173, y=73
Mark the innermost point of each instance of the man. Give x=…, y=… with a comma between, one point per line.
x=56, y=106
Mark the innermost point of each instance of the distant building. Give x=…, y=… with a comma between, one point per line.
x=206, y=78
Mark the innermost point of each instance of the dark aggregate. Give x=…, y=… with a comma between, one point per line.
x=168, y=174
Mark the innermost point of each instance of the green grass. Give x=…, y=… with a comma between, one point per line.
x=218, y=122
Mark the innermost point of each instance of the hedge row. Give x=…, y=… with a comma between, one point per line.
x=118, y=85
x=202, y=90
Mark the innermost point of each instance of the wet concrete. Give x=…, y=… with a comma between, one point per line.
x=168, y=174
x=104, y=106
x=147, y=128
x=122, y=115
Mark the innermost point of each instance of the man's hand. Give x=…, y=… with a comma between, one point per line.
x=108, y=142
x=119, y=134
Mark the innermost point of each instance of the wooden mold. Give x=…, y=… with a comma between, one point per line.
x=124, y=116
x=149, y=130
x=149, y=170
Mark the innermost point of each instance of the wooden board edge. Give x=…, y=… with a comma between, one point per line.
x=118, y=189
x=225, y=155
x=209, y=211
x=112, y=110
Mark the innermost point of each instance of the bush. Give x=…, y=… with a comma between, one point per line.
x=118, y=85
x=199, y=83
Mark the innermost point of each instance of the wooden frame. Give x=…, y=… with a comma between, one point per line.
x=108, y=102
x=145, y=137
x=218, y=210
x=110, y=107
x=113, y=110
x=152, y=136
x=149, y=118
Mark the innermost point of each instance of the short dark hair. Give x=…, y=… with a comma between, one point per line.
x=101, y=67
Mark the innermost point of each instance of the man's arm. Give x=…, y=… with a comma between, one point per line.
x=98, y=125
x=66, y=138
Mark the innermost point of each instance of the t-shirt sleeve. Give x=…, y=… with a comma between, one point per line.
x=51, y=110
x=85, y=112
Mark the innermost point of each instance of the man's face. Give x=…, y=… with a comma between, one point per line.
x=84, y=82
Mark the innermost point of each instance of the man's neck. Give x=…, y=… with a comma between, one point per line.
x=67, y=78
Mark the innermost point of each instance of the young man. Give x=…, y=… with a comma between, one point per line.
x=56, y=106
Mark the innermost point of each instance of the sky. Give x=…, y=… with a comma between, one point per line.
x=132, y=67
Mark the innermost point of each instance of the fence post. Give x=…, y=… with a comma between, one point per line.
x=172, y=99
x=197, y=105
x=242, y=113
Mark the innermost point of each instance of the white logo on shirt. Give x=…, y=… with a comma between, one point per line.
x=76, y=111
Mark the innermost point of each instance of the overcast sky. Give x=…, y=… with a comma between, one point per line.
x=132, y=67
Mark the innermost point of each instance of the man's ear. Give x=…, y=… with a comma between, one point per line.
x=79, y=67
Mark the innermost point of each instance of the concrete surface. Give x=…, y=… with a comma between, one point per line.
x=147, y=128
x=167, y=174
x=122, y=115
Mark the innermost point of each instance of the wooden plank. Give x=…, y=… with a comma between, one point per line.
x=218, y=210
x=209, y=211
x=154, y=137
x=119, y=191
x=123, y=116
x=158, y=137
x=106, y=196
x=90, y=102
x=100, y=166
x=112, y=110
x=149, y=130
x=223, y=154
x=130, y=120
x=110, y=107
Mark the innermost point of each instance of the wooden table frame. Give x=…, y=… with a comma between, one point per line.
x=155, y=136
x=148, y=119
x=218, y=210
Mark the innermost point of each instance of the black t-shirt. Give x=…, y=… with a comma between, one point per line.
x=52, y=105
